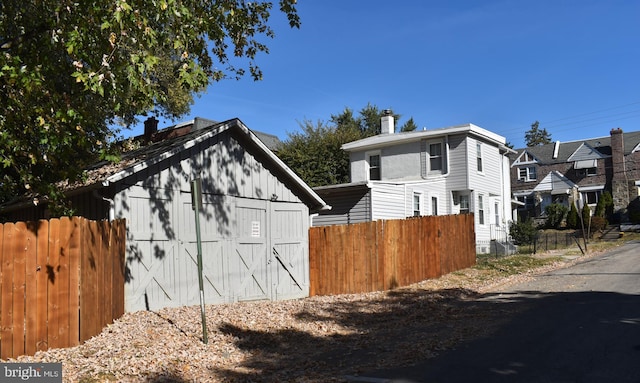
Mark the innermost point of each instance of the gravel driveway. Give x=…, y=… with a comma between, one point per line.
x=318, y=339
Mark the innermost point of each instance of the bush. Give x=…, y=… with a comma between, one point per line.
x=573, y=218
x=634, y=210
x=598, y=223
x=604, y=206
x=555, y=215
x=523, y=233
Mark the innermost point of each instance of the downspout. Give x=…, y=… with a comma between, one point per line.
x=446, y=148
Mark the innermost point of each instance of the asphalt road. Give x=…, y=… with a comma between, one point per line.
x=579, y=324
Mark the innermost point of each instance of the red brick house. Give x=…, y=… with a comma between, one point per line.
x=581, y=170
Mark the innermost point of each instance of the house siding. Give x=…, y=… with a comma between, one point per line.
x=347, y=206
x=458, y=176
x=401, y=162
x=387, y=201
x=359, y=167
x=486, y=184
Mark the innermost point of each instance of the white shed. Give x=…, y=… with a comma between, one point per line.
x=254, y=219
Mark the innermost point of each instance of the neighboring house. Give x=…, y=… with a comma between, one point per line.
x=455, y=170
x=580, y=171
x=254, y=216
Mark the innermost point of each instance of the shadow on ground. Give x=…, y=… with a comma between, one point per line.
x=400, y=334
x=559, y=337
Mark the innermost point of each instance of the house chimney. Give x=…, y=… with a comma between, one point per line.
x=617, y=153
x=150, y=127
x=619, y=181
x=387, y=123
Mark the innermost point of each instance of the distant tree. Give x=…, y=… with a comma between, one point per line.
x=409, y=126
x=369, y=120
x=536, y=136
x=509, y=145
x=315, y=153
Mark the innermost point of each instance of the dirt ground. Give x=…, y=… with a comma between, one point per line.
x=317, y=339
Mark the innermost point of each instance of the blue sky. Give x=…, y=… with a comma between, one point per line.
x=572, y=65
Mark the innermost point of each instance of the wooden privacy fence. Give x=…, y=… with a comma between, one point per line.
x=61, y=282
x=385, y=254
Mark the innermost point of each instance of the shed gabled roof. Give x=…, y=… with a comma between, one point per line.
x=156, y=152
x=105, y=173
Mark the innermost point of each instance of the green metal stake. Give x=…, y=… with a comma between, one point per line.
x=196, y=203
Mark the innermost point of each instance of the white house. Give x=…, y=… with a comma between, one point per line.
x=455, y=170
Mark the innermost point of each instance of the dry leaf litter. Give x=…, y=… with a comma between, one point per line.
x=317, y=339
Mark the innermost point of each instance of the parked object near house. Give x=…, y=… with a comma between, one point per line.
x=254, y=215
x=577, y=171
x=455, y=170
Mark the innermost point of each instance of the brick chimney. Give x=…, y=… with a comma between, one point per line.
x=150, y=127
x=387, y=124
x=619, y=181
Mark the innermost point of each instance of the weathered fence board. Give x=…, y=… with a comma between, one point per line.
x=385, y=254
x=61, y=282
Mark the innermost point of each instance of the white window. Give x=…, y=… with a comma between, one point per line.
x=496, y=207
x=435, y=157
x=479, y=156
x=374, y=167
x=591, y=197
x=480, y=210
x=464, y=204
x=527, y=173
x=434, y=205
x=417, y=203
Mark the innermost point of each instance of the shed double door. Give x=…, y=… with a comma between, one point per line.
x=251, y=250
x=271, y=250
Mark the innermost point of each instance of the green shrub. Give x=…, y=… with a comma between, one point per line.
x=555, y=215
x=573, y=218
x=604, y=206
x=523, y=233
x=634, y=210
